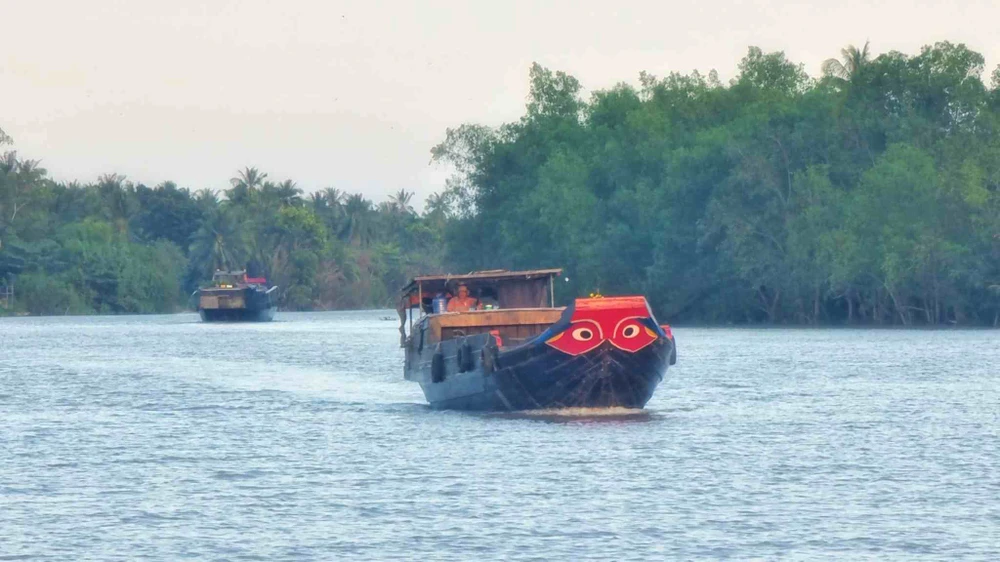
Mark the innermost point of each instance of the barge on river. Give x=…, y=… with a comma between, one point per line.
x=517, y=351
x=234, y=297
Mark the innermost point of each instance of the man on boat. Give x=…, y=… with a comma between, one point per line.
x=463, y=302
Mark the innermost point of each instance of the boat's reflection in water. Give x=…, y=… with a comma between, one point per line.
x=580, y=415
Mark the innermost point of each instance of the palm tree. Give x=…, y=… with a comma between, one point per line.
x=22, y=176
x=218, y=243
x=358, y=223
x=119, y=199
x=847, y=69
x=333, y=209
x=318, y=200
x=437, y=204
x=29, y=175
x=207, y=197
x=247, y=181
x=334, y=196
x=400, y=202
x=287, y=193
x=437, y=209
x=30, y=172
x=8, y=162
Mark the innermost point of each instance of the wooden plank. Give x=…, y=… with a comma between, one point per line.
x=493, y=319
x=493, y=275
x=506, y=317
x=523, y=294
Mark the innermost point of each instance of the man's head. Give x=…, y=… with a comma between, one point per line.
x=463, y=291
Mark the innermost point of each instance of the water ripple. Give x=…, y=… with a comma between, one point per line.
x=161, y=438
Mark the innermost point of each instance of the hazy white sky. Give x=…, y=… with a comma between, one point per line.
x=354, y=94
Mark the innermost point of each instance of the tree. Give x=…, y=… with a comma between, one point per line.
x=24, y=175
x=219, y=243
x=246, y=182
x=118, y=200
x=286, y=193
x=770, y=72
x=167, y=212
x=400, y=202
x=776, y=198
x=359, y=223
x=870, y=196
x=552, y=93
x=318, y=201
x=334, y=197
x=852, y=62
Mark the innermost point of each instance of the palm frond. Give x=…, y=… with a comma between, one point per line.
x=835, y=68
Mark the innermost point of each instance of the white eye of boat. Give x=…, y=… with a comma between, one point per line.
x=631, y=331
x=583, y=334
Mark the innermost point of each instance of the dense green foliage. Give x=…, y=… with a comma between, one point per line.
x=870, y=195
x=117, y=247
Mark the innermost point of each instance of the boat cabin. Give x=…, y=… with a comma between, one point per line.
x=228, y=279
x=234, y=279
x=515, y=305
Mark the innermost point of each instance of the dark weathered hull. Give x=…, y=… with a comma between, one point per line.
x=536, y=376
x=238, y=314
x=543, y=378
x=599, y=353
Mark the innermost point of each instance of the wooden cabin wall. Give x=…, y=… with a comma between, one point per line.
x=524, y=294
x=514, y=325
x=511, y=335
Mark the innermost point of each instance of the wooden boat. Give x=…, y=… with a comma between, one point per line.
x=234, y=297
x=525, y=353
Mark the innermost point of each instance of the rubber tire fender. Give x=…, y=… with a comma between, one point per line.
x=466, y=362
x=488, y=358
x=437, y=366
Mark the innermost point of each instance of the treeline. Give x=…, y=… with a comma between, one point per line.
x=868, y=195
x=114, y=246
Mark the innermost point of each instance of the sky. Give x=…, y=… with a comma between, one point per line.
x=354, y=95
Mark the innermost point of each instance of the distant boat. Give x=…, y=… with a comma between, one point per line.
x=234, y=297
x=516, y=351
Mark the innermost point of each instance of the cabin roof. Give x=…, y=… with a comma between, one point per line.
x=490, y=275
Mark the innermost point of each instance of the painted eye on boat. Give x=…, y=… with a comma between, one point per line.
x=632, y=334
x=580, y=337
x=630, y=331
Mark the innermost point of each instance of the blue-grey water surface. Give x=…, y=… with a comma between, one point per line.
x=163, y=438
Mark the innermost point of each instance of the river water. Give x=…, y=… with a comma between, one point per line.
x=163, y=438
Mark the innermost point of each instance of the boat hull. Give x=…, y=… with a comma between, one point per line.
x=235, y=305
x=601, y=353
x=543, y=378
x=237, y=314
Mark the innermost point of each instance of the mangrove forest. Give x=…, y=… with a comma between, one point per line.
x=867, y=194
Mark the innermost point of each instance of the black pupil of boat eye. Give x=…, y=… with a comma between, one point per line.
x=631, y=331
x=584, y=334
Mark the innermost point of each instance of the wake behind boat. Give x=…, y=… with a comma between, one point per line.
x=499, y=344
